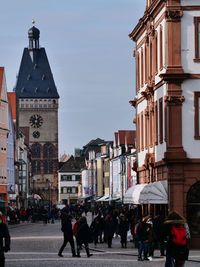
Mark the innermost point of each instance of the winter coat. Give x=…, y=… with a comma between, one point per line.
x=141, y=232
x=123, y=227
x=66, y=227
x=83, y=232
x=109, y=229
x=179, y=252
x=4, y=234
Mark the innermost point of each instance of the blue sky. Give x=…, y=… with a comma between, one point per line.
x=90, y=54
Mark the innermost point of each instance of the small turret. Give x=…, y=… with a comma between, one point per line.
x=33, y=35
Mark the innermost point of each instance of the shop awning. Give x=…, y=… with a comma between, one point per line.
x=84, y=197
x=132, y=195
x=152, y=193
x=111, y=199
x=155, y=193
x=102, y=198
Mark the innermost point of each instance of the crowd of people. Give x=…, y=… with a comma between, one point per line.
x=168, y=234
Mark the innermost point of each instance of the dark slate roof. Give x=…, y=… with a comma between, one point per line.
x=73, y=165
x=35, y=79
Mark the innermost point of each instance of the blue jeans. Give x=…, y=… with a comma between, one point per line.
x=142, y=246
x=171, y=262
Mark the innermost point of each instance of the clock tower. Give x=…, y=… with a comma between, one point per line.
x=38, y=117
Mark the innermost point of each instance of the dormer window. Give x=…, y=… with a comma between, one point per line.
x=28, y=77
x=43, y=77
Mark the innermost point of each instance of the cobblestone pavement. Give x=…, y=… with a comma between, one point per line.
x=38, y=244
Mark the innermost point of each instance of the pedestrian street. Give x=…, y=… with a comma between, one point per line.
x=37, y=244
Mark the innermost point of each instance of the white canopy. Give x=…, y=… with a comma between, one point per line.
x=102, y=198
x=155, y=193
x=132, y=195
x=152, y=193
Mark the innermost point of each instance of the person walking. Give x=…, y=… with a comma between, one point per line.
x=4, y=238
x=82, y=236
x=176, y=234
x=68, y=234
x=109, y=229
x=123, y=229
x=141, y=236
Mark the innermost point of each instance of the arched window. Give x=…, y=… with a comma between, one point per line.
x=46, y=167
x=45, y=151
x=48, y=151
x=35, y=151
x=193, y=209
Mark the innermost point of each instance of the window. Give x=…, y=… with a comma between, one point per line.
x=146, y=63
x=156, y=122
x=196, y=115
x=138, y=133
x=45, y=166
x=78, y=177
x=197, y=38
x=151, y=60
x=142, y=132
x=161, y=47
x=156, y=53
x=69, y=190
x=63, y=178
x=161, y=120
x=35, y=151
x=138, y=71
x=48, y=166
x=142, y=68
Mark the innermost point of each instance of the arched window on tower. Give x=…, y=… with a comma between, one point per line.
x=35, y=151
x=48, y=154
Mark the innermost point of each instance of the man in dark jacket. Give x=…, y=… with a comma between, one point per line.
x=4, y=239
x=141, y=236
x=82, y=236
x=66, y=222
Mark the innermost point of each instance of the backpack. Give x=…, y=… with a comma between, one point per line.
x=178, y=233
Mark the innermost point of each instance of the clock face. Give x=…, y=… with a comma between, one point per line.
x=36, y=121
x=36, y=134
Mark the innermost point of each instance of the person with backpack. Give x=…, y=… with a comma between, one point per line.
x=175, y=234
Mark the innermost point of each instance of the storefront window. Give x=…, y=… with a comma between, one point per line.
x=193, y=209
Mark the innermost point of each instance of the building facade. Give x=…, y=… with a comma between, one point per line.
x=38, y=110
x=69, y=180
x=10, y=156
x=4, y=130
x=167, y=103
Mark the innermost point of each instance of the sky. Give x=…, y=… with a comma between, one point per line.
x=90, y=55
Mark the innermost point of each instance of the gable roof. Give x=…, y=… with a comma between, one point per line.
x=73, y=165
x=12, y=103
x=125, y=137
x=35, y=79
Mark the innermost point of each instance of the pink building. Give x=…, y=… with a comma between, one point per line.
x=4, y=129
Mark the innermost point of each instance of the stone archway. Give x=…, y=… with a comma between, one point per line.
x=193, y=209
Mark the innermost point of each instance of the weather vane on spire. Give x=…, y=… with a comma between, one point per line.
x=33, y=21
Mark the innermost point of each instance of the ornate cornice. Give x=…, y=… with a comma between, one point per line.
x=174, y=100
x=175, y=77
x=174, y=15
